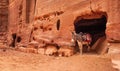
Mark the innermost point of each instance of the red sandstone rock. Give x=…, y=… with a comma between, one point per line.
x=113, y=33
x=51, y=50
x=38, y=19
x=27, y=50
x=66, y=51
x=41, y=50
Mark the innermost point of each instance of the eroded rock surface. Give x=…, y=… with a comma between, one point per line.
x=52, y=21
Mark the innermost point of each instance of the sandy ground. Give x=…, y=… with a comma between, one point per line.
x=12, y=60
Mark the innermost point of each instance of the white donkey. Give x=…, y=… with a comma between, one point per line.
x=82, y=39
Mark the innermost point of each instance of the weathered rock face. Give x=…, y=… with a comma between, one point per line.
x=113, y=33
x=3, y=21
x=113, y=23
x=52, y=21
x=71, y=10
x=20, y=19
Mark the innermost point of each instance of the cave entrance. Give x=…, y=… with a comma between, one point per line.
x=94, y=26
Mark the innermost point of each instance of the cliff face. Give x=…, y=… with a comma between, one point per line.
x=21, y=14
x=3, y=21
x=68, y=13
x=113, y=22
x=52, y=21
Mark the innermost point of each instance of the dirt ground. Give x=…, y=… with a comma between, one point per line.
x=11, y=60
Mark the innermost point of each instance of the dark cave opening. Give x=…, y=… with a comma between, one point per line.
x=58, y=24
x=95, y=26
x=13, y=40
x=19, y=39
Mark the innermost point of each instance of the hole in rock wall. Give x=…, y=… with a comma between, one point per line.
x=41, y=27
x=19, y=39
x=58, y=24
x=33, y=38
x=35, y=28
x=13, y=40
x=94, y=26
x=50, y=29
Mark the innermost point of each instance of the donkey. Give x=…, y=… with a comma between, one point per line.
x=82, y=39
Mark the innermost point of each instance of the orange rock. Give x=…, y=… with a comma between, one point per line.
x=27, y=50
x=41, y=50
x=50, y=50
x=66, y=51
